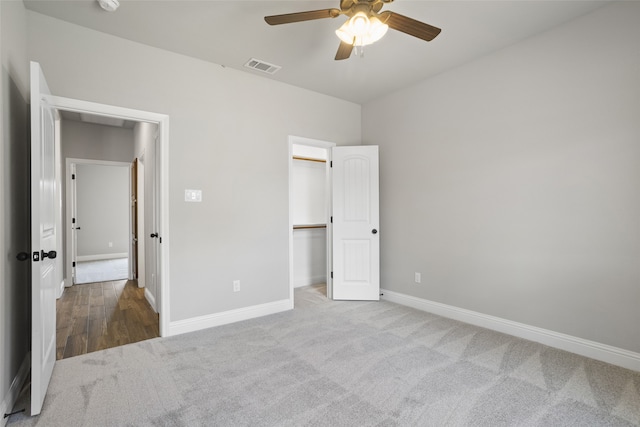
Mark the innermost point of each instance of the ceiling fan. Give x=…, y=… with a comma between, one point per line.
x=366, y=24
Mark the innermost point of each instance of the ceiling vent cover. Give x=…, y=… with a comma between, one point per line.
x=264, y=67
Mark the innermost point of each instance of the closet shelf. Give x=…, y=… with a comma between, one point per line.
x=306, y=226
x=309, y=159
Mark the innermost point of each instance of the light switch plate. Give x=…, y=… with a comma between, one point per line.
x=192, y=195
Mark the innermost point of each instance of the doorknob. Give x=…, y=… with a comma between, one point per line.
x=374, y=231
x=153, y=235
x=50, y=254
x=22, y=256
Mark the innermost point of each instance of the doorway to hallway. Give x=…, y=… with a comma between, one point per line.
x=102, y=315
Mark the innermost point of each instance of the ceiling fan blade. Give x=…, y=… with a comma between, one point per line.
x=410, y=26
x=344, y=51
x=310, y=15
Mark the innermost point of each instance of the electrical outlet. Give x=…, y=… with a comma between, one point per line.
x=110, y=244
x=236, y=286
x=418, y=277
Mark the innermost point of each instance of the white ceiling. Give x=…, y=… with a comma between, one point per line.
x=229, y=33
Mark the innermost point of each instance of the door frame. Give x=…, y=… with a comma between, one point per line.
x=70, y=195
x=298, y=140
x=162, y=165
x=142, y=226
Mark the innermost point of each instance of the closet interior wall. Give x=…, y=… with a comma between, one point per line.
x=309, y=215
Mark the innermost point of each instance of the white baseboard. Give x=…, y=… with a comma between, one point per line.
x=101, y=257
x=14, y=390
x=60, y=289
x=226, y=317
x=603, y=352
x=151, y=299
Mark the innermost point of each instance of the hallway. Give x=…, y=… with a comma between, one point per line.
x=101, y=315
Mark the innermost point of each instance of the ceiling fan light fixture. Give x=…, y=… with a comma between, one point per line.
x=362, y=30
x=377, y=30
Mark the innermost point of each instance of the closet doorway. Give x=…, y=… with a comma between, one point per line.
x=310, y=214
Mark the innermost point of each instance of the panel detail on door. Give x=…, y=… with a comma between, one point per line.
x=43, y=239
x=357, y=256
x=356, y=246
x=357, y=203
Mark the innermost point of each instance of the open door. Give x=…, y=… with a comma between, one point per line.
x=75, y=226
x=43, y=239
x=356, y=242
x=133, y=254
x=152, y=218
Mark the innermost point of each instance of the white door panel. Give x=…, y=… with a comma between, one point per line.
x=43, y=239
x=75, y=226
x=356, y=244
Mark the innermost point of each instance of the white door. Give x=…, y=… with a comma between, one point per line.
x=75, y=225
x=133, y=219
x=356, y=243
x=155, y=214
x=43, y=239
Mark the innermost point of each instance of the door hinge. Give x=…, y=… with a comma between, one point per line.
x=73, y=220
x=332, y=274
x=36, y=256
x=73, y=264
x=331, y=164
x=160, y=240
x=331, y=220
x=73, y=176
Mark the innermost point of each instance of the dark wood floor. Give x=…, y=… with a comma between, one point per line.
x=96, y=316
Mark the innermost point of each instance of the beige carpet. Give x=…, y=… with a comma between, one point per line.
x=338, y=364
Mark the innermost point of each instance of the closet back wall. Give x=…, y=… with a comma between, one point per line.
x=309, y=244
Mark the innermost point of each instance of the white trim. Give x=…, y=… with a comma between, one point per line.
x=79, y=161
x=61, y=288
x=603, y=352
x=329, y=231
x=226, y=317
x=162, y=120
x=151, y=299
x=101, y=257
x=162, y=285
x=14, y=390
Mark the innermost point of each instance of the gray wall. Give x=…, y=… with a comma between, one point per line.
x=229, y=138
x=511, y=183
x=96, y=142
x=15, y=302
x=102, y=211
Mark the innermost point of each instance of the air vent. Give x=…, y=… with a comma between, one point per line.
x=262, y=66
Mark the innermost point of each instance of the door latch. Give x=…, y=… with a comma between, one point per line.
x=50, y=254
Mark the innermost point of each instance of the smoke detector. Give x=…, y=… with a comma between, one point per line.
x=109, y=5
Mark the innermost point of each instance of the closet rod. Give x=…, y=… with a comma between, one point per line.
x=301, y=227
x=309, y=159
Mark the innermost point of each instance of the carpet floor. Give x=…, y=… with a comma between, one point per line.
x=333, y=363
